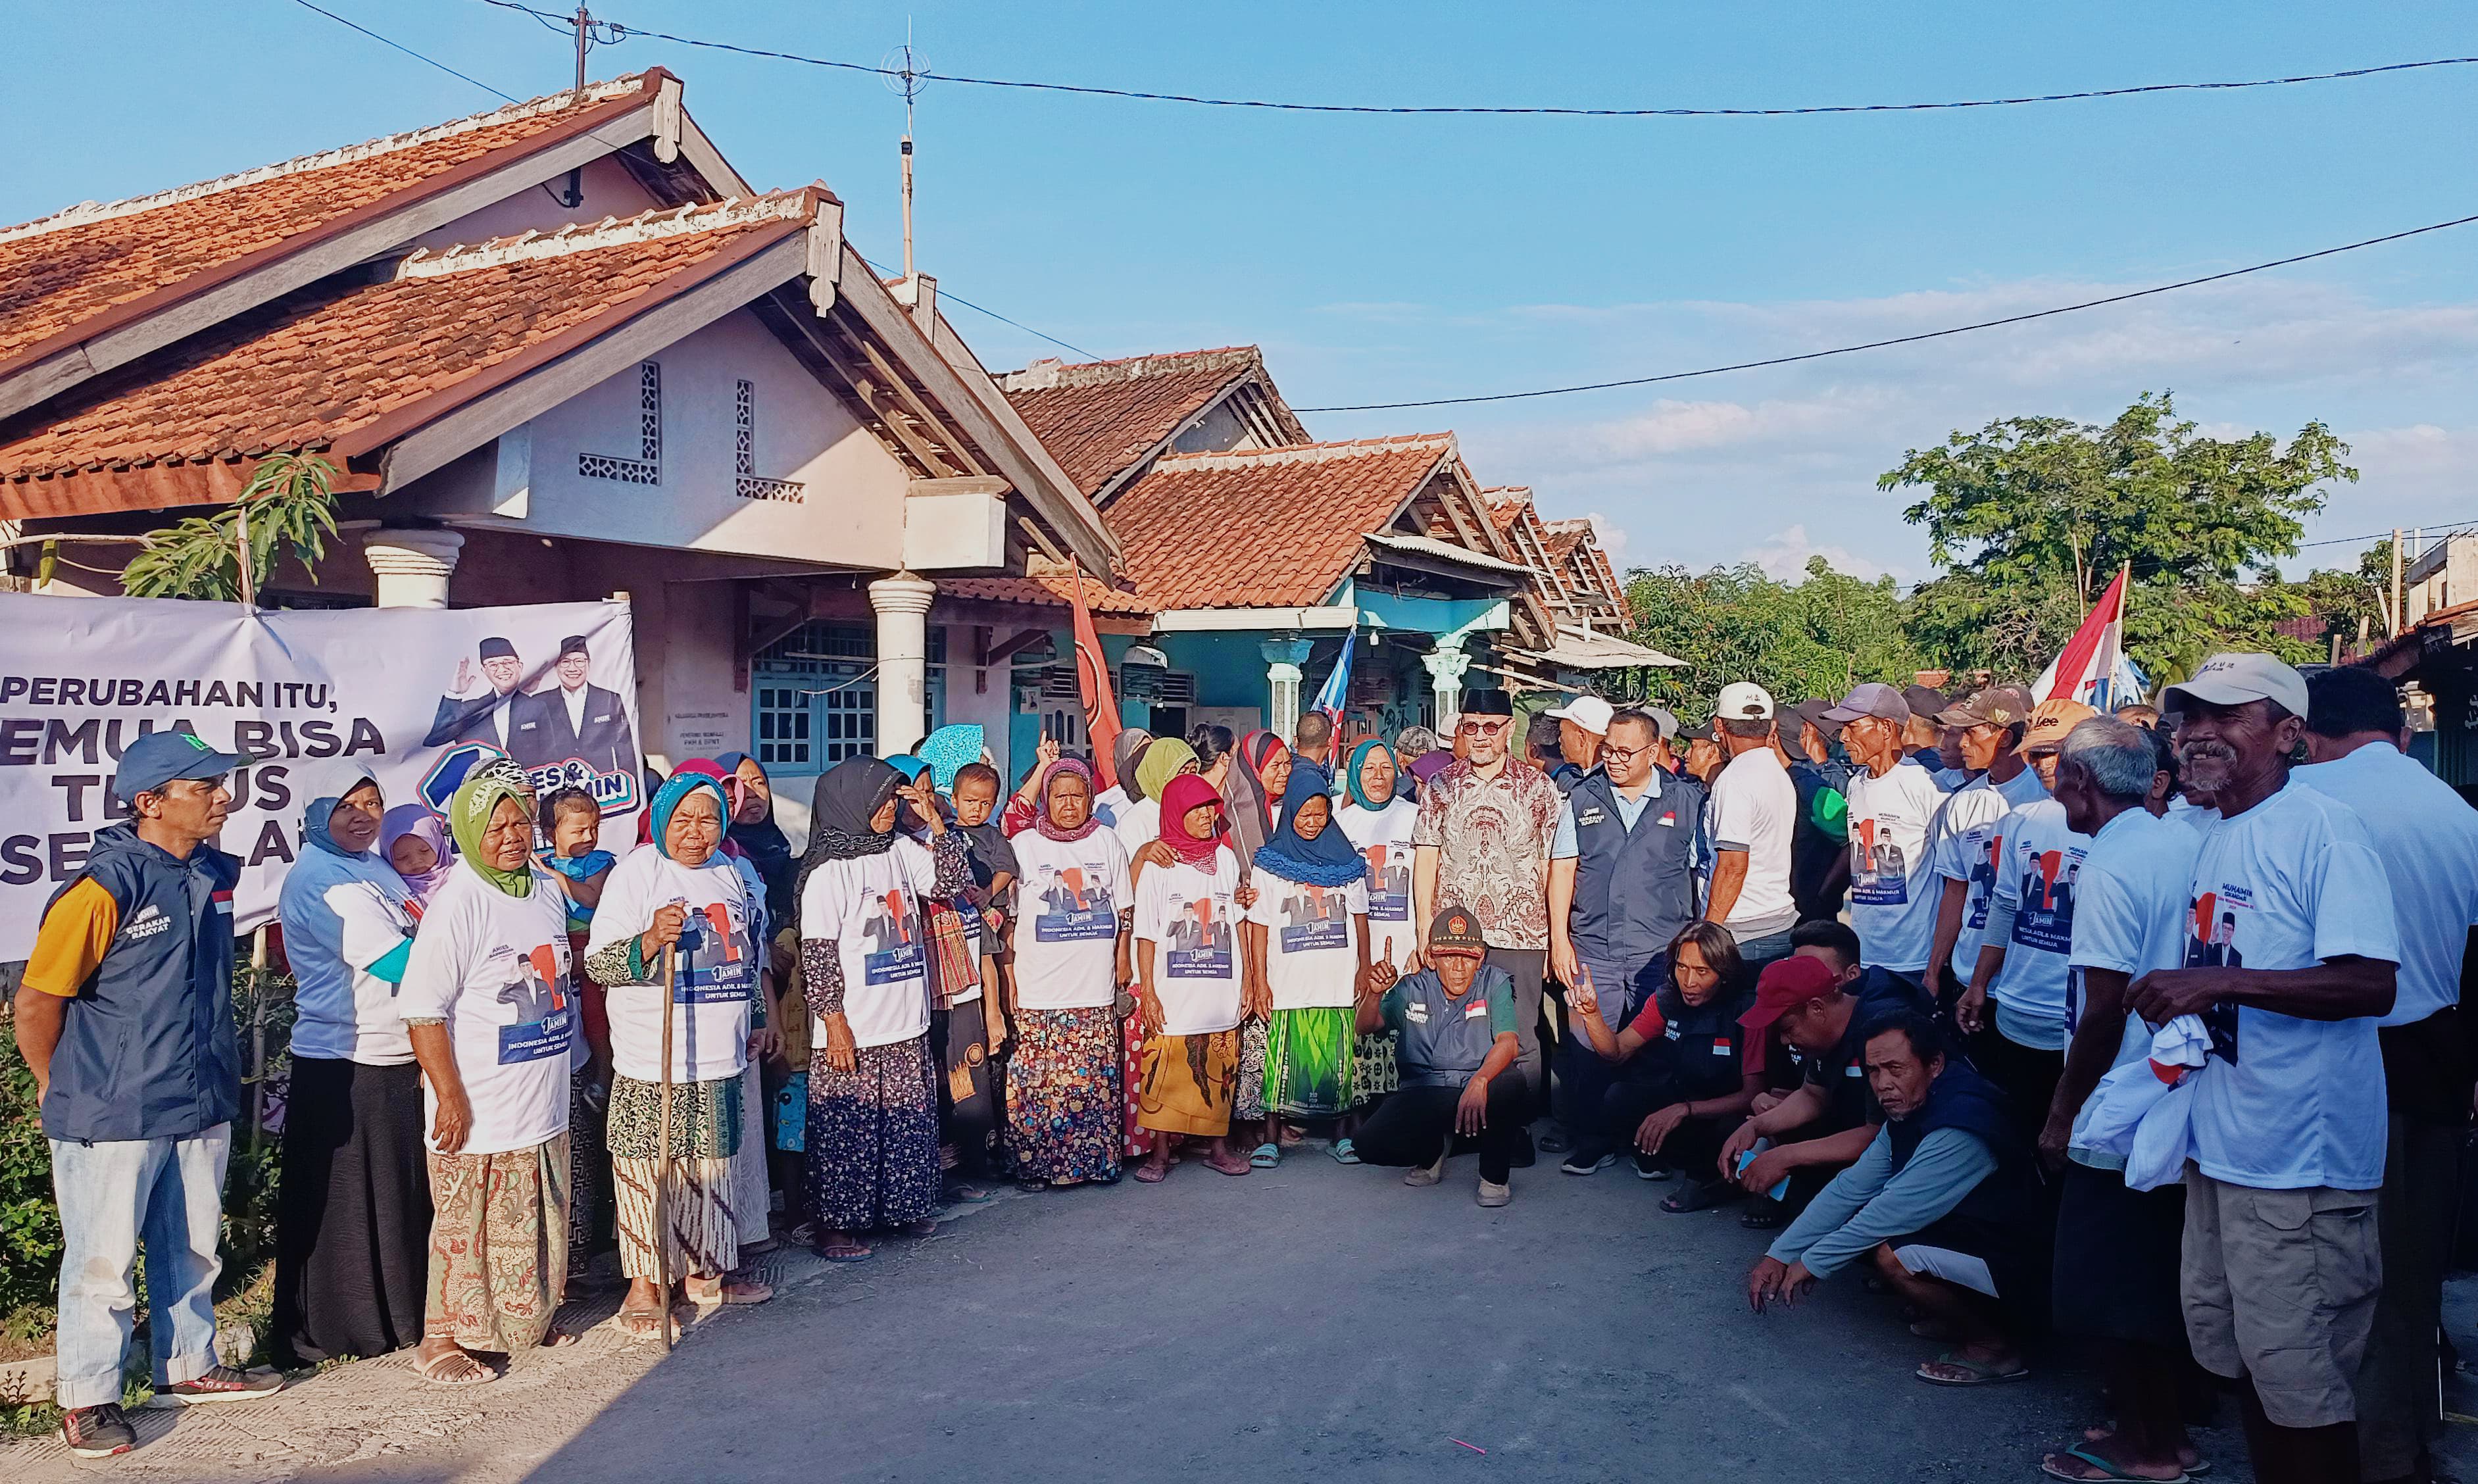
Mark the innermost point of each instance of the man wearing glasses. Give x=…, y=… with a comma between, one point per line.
x=1482, y=840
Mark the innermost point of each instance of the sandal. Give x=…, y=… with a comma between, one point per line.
x=454, y=1368
x=1697, y=1198
x=1236, y=1165
x=728, y=1290
x=641, y=1323
x=1763, y=1213
x=2200, y=1467
x=2105, y=1469
x=841, y=1251
x=926, y=1227
x=1343, y=1154
x=969, y=1196
x=1150, y=1173
x=1266, y=1156
x=1032, y=1187
x=1975, y=1373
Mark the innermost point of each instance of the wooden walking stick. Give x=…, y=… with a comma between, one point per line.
x=663, y=1150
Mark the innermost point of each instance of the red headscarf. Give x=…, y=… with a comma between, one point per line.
x=1182, y=794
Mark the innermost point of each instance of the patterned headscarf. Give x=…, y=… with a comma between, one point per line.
x=1184, y=792
x=1041, y=818
x=1359, y=756
x=1165, y=760
x=948, y=750
x=674, y=793
x=468, y=820
x=1329, y=860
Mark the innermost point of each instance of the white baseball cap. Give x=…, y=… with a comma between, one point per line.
x=1588, y=712
x=2236, y=677
x=1743, y=700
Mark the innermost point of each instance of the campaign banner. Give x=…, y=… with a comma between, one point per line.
x=416, y=695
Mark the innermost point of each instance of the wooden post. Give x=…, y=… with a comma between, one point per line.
x=257, y=1021
x=2400, y=619
x=663, y=1150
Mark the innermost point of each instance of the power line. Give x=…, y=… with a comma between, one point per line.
x=1280, y=106
x=407, y=51
x=1899, y=340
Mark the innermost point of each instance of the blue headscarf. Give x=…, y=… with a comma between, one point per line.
x=1329, y=860
x=948, y=749
x=669, y=797
x=329, y=790
x=1359, y=760
x=907, y=765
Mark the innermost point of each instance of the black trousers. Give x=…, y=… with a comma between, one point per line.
x=1692, y=1148
x=1413, y=1124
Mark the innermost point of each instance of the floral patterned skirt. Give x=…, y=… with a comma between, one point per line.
x=873, y=1138
x=1248, y=1103
x=498, y=1247
x=1067, y=1102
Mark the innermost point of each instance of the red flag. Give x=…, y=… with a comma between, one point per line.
x=1092, y=685
x=2090, y=656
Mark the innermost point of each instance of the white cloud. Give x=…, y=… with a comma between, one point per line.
x=1783, y=558
x=1611, y=536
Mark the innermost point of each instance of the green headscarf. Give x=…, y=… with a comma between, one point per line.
x=1161, y=764
x=468, y=820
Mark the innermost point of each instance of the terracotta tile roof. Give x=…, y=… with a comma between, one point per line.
x=1505, y=505
x=1099, y=417
x=1263, y=528
x=319, y=367
x=1047, y=585
x=64, y=271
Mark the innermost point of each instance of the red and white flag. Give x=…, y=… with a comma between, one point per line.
x=1092, y=685
x=2093, y=669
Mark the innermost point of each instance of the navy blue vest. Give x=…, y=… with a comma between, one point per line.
x=1702, y=1048
x=147, y=1049
x=1634, y=889
x=1963, y=1099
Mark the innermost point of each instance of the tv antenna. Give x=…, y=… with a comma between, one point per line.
x=906, y=71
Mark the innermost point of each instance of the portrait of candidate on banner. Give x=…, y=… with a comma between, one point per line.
x=548, y=716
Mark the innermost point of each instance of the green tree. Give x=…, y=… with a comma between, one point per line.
x=288, y=507
x=2344, y=603
x=1814, y=638
x=2032, y=516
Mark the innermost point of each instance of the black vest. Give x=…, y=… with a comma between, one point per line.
x=1701, y=1048
x=1634, y=889
x=1963, y=1099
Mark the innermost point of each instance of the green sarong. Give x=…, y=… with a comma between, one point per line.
x=1308, y=1063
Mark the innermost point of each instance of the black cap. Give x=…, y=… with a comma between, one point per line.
x=496, y=648
x=575, y=643
x=1700, y=731
x=1490, y=702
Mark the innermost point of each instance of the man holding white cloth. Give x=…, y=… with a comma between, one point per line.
x=2290, y=962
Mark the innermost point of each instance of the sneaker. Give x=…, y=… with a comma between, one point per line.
x=1428, y=1174
x=225, y=1383
x=1492, y=1194
x=1583, y=1163
x=97, y=1432
x=1645, y=1167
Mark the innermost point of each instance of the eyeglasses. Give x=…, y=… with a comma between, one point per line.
x=1481, y=728
x=1626, y=754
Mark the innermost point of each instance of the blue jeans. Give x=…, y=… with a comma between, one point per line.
x=1756, y=952
x=169, y=1192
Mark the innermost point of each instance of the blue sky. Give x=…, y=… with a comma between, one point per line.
x=1386, y=258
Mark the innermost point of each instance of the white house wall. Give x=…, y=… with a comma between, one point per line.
x=607, y=187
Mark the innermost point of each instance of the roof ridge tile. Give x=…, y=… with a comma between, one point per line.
x=610, y=231
x=1305, y=453
x=87, y=212
x=1047, y=374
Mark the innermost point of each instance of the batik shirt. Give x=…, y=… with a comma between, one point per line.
x=1492, y=837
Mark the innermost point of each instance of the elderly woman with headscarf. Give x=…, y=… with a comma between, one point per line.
x=1124, y=749
x=1191, y=976
x=1307, y=939
x=1376, y=819
x=489, y=1000
x=678, y=915
x=761, y=840
x=1140, y=823
x=872, y=1134
x=354, y=1211
x=413, y=844
x=1065, y=1094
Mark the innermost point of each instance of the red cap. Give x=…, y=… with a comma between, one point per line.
x=1786, y=982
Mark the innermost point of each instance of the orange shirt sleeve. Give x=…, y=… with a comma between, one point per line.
x=70, y=945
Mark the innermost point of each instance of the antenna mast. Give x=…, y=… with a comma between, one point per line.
x=904, y=71
x=584, y=29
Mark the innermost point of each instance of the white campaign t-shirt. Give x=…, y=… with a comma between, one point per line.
x=1190, y=916
x=2428, y=839
x=1067, y=920
x=1139, y=824
x=1383, y=837
x=2129, y=915
x=342, y=913
x=498, y=968
x=713, y=976
x=2283, y=1103
x=870, y=906
x=1310, y=962
x=1890, y=906
x=1754, y=807
x=2037, y=866
x=1963, y=847
x=2194, y=817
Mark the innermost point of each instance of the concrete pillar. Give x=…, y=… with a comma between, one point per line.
x=413, y=565
x=1446, y=665
x=902, y=606
x=1284, y=658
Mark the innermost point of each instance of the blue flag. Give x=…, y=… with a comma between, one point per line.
x=1335, y=693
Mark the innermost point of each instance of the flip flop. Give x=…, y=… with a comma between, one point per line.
x=1980, y=1373
x=1266, y=1156
x=1343, y=1154
x=842, y=1252
x=1149, y=1173
x=2200, y=1467
x=454, y=1369
x=2107, y=1469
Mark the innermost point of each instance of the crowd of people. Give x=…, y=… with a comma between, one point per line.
x=2139, y=1029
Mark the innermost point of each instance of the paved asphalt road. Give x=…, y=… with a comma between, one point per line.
x=1323, y=1323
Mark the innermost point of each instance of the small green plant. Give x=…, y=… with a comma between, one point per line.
x=288, y=506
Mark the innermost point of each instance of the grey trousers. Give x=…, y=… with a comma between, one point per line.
x=2397, y=1417
x=1527, y=968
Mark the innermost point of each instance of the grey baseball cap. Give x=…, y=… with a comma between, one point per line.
x=1871, y=700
